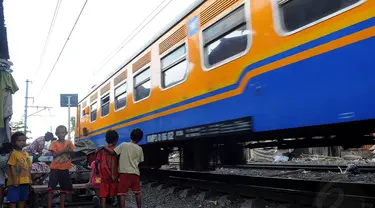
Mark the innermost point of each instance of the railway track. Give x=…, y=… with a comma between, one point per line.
x=281, y=166
x=312, y=193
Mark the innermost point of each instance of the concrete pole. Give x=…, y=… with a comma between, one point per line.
x=26, y=105
x=69, y=117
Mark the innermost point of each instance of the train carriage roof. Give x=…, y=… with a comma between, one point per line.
x=155, y=38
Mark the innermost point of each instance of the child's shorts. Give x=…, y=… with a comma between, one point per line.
x=108, y=188
x=61, y=177
x=20, y=193
x=127, y=181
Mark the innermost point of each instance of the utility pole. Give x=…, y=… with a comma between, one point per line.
x=69, y=97
x=26, y=104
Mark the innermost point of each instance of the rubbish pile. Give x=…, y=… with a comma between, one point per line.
x=80, y=171
x=325, y=155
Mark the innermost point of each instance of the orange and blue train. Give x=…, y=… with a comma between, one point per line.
x=263, y=72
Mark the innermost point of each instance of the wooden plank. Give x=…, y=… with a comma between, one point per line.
x=41, y=188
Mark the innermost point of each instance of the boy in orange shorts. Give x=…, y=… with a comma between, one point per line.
x=130, y=156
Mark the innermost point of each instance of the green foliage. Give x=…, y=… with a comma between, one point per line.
x=73, y=123
x=19, y=126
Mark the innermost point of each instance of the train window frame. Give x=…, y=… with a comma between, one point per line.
x=139, y=71
x=278, y=19
x=247, y=10
x=115, y=97
x=96, y=117
x=83, y=112
x=174, y=63
x=106, y=95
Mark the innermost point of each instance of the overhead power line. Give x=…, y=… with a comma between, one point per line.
x=43, y=108
x=135, y=32
x=62, y=50
x=46, y=43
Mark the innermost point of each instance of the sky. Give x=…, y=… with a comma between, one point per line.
x=102, y=28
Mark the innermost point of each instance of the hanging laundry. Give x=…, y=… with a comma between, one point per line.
x=8, y=87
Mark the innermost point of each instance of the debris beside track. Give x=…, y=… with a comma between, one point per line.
x=301, y=174
x=321, y=160
x=320, y=155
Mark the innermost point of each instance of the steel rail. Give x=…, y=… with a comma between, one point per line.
x=307, y=167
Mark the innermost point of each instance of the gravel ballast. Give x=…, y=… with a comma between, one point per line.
x=153, y=198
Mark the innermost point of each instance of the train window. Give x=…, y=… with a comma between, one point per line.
x=142, y=84
x=120, y=96
x=93, y=111
x=296, y=14
x=226, y=38
x=174, y=67
x=84, y=112
x=104, y=105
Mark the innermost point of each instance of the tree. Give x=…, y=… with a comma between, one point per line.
x=19, y=126
x=73, y=123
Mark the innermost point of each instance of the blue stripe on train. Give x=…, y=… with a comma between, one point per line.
x=320, y=41
x=337, y=86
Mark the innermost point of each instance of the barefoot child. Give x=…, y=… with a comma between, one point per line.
x=19, y=172
x=3, y=170
x=95, y=182
x=4, y=157
x=108, y=168
x=61, y=163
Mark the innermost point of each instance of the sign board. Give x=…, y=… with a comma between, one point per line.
x=64, y=100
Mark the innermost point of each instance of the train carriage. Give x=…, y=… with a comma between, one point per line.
x=286, y=73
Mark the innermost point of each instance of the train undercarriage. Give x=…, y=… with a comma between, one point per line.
x=206, y=152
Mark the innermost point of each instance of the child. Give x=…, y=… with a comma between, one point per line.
x=4, y=157
x=95, y=182
x=108, y=168
x=37, y=146
x=19, y=172
x=3, y=169
x=130, y=156
x=61, y=163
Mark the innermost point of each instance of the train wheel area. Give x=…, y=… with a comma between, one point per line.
x=206, y=154
x=195, y=155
